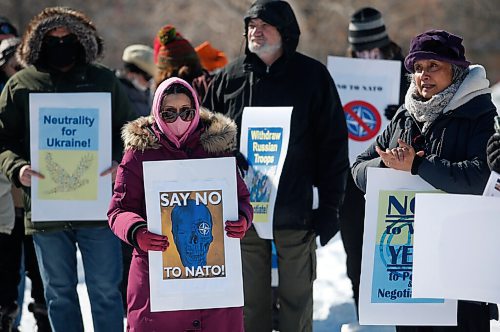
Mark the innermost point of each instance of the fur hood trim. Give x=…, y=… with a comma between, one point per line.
x=53, y=17
x=219, y=135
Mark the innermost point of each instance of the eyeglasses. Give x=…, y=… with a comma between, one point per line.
x=170, y=114
x=54, y=41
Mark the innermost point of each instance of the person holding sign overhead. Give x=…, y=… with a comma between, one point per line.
x=440, y=134
x=59, y=50
x=177, y=129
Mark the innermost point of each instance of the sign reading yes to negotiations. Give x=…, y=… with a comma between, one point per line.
x=188, y=201
x=385, y=294
x=70, y=145
x=265, y=132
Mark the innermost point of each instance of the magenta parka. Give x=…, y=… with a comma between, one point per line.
x=214, y=137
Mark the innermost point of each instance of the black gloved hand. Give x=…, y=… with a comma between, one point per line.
x=325, y=225
x=493, y=151
x=241, y=162
x=390, y=111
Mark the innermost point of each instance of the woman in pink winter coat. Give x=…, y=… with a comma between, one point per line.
x=177, y=129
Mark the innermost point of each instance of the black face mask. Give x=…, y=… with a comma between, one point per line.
x=60, y=52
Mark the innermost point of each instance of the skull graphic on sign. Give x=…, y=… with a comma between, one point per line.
x=192, y=231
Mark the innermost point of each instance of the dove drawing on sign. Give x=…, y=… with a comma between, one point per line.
x=67, y=182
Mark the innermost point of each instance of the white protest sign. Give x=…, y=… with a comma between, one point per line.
x=265, y=132
x=493, y=186
x=365, y=88
x=189, y=201
x=385, y=296
x=456, y=247
x=70, y=145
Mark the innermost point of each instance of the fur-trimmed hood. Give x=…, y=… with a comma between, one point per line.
x=53, y=17
x=219, y=135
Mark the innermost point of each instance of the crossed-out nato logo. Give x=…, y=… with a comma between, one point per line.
x=363, y=120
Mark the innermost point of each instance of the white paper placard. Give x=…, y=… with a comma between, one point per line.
x=493, y=186
x=456, y=247
x=189, y=201
x=386, y=271
x=365, y=88
x=70, y=145
x=265, y=132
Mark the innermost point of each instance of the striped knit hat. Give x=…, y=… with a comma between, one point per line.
x=367, y=30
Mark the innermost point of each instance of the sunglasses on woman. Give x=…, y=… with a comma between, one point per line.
x=170, y=114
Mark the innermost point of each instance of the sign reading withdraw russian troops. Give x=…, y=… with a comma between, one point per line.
x=188, y=201
x=70, y=145
x=265, y=132
x=387, y=267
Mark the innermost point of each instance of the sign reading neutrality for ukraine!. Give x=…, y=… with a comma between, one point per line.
x=189, y=201
x=265, y=132
x=387, y=267
x=365, y=89
x=70, y=146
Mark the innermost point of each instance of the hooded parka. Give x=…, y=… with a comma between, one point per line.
x=317, y=150
x=85, y=76
x=144, y=141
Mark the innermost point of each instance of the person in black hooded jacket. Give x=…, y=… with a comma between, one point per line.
x=273, y=73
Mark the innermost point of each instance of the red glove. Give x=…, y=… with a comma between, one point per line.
x=150, y=241
x=236, y=228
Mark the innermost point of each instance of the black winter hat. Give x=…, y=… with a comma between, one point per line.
x=280, y=15
x=367, y=30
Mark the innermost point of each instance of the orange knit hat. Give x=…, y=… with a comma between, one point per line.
x=210, y=57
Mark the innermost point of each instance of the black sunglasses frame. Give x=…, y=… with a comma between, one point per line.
x=170, y=114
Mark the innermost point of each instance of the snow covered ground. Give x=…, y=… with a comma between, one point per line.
x=333, y=305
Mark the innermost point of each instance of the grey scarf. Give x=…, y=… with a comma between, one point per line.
x=426, y=111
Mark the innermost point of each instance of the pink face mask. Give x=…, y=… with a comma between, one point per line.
x=178, y=127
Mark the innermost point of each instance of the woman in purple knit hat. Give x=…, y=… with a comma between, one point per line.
x=440, y=133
